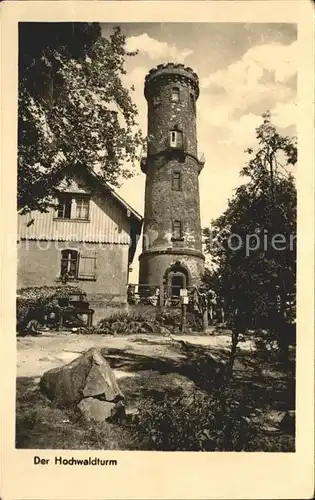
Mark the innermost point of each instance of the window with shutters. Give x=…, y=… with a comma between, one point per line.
x=176, y=181
x=177, y=230
x=69, y=264
x=175, y=94
x=87, y=265
x=78, y=266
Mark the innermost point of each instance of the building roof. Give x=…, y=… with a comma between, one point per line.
x=120, y=200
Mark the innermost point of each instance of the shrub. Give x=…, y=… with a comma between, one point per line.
x=133, y=323
x=125, y=324
x=216, y=422
x=173, y=320
x=35, y=302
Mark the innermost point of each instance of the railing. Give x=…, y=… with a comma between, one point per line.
x=143, y=161
x=159, y=295
x=163, y=297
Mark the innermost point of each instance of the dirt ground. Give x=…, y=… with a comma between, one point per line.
x=35, y=355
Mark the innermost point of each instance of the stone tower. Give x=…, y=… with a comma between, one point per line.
x=172, y=243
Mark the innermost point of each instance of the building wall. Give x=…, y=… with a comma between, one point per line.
x=108, y=222
x=154, y=266
x=39, y=265
x=163, y=205
x=166, y=115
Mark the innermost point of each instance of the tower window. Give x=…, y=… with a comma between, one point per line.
x=176, y=139
x=175, y=94
x=177, y=230
x=192, y=101
x=177, y=181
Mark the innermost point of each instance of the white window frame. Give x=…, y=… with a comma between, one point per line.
x=69, y=259
x=82, y=199
x=73, y=200
x=62, y=200
x=176, y=139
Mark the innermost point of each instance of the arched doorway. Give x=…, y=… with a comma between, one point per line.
x=178, y=281
x=176, y=277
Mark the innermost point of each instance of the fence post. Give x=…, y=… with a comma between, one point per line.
x=161, y=296
x=205, y=322
x=184, y=316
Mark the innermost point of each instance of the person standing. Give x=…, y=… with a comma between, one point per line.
x=212, y=302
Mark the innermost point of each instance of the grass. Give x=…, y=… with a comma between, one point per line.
x=40, y=425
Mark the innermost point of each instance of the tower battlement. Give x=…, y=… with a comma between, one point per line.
x=171, y=72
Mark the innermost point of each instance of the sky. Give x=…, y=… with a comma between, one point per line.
x=244, y=70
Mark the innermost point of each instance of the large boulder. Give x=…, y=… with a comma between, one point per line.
x=94, y=409
x=89, y=375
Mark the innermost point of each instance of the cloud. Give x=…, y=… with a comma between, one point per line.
x=279, y=60
x=243, y=130
x=233, y=99
x=136, y=76
x=155, y=49
x=264, y=73
x=284, y=114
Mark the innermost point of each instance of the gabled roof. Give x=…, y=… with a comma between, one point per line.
x=118, y=198
x=136, y=218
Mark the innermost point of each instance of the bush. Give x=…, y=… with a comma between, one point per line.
x=35, y=302
x=216, y=422
x=173, y=320
x=125, y=324
x=133, y=323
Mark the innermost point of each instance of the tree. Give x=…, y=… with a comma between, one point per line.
x=253, y=242
x=73, y=108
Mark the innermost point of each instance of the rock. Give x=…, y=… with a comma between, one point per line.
x=88, y=375
x=275, y=421
x=101, y=380
x=274, y=417
x=93, y=409
x=164, y=331
x=119, y=412
x=287, y=424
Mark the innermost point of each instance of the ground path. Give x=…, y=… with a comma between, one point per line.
x=35, y=355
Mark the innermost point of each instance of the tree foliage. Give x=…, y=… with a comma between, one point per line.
x=73, y=108
x=253, y=242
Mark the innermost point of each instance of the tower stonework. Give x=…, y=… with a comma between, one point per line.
x=172, y=243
